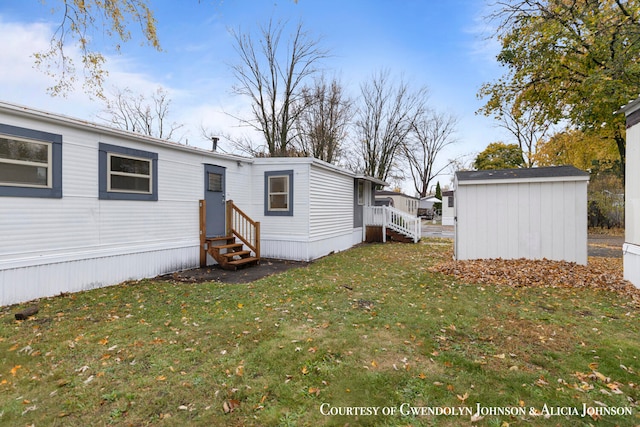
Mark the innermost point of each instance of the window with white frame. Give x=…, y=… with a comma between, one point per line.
x=30, y=163
x=279, y=193
x=360, y=192
x=25, y=163
x=127, y=173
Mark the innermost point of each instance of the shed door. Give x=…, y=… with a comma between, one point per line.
x=214, y=195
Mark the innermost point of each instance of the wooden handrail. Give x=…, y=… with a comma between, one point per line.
x=243, y=227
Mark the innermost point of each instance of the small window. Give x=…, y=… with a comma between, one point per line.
x=127, y=173
x=214, y=182
x=30, y=163
x=360, y=192
x=279, y=193
x=450, y=202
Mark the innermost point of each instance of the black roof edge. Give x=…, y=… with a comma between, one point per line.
x=541, y=172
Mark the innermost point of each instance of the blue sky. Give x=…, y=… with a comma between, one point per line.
x=438, y=44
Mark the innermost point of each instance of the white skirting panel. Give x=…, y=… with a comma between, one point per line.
x=357, y=236
x=26, y=283
x=447, y=220
x=302, y=249
x=631, y=261
x=278, y=248
x=321, y=247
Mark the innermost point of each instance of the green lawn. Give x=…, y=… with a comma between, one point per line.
x=370, y=327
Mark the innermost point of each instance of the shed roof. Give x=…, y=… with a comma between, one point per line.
x=551, y=173
x=630, y=107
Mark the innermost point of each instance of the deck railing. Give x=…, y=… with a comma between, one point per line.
x=394, y=219
x=243, y=227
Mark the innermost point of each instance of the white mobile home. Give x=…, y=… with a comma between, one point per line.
x=84, y=205
x=326, y=209
x=631, y=247
x=400, y=201
x=521, y=213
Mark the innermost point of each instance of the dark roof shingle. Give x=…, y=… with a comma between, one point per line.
x=544, y=172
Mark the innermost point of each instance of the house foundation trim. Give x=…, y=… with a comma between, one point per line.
x=631, y=262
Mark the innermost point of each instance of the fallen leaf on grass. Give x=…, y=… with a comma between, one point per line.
x=463, y=397
x=599, y=273
x=15, y=369
x=475, y=418
x=230, y=405
x=601, y=377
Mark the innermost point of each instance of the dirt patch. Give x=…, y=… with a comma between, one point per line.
x=214, y=273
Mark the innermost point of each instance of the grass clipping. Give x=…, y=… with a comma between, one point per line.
x=599, y=273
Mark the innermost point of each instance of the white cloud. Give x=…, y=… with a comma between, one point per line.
x=21, y=83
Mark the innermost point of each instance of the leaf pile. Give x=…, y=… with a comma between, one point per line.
x=600, y=273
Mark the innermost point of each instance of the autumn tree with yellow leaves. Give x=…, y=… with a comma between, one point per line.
x=80, y=19
x=572, y=61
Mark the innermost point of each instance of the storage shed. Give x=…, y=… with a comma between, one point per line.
x=631, y=247
x=531, y=213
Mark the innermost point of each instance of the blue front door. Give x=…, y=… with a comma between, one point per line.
x=214, y=195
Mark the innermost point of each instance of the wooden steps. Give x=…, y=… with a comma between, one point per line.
x=229, y=254
x=394, y=236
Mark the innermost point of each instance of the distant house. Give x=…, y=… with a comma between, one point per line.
x=427, y=202
x=631, y=247
x=425, y=206
x=400, y=201
x=521, y=213
x=448, y=212
x=84, y=206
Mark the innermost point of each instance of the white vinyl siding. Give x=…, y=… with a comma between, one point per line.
x=631, y=247
x=330, y=203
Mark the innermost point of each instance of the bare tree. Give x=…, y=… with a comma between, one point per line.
x=383, y=122
x=273, y=80
x=527, y=122
x=322, y=124
x=136, y=113
x=430, y=134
